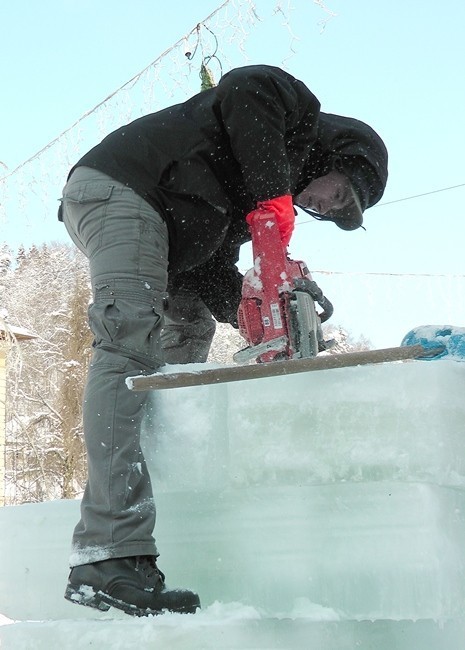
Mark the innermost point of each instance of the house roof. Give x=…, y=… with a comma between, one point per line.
x=8, y=331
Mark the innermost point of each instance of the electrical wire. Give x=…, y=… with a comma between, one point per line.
x=417, y=196
x=406, y=198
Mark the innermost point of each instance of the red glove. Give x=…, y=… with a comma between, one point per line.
x=283, y=209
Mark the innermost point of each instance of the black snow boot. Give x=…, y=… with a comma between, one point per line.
x=133, y=584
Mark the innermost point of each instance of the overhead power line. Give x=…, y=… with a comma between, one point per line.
x=405, y=198
x=417, y=196
x=399, y=275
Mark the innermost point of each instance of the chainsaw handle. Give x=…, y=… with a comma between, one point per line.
x=311, y=287
x=328, y=309
x=264, y=231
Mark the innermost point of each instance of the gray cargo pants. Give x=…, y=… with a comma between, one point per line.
x=126, y=242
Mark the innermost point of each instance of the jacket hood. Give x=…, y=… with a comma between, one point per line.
x=356, y=149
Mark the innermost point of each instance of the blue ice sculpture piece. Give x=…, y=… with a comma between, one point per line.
x=430, y=336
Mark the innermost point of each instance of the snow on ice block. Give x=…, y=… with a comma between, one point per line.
x=429, y=336
x=232, y=627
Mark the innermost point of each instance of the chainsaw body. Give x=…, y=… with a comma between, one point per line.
x=277, y=315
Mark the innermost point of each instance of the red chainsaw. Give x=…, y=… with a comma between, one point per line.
x=277, y=314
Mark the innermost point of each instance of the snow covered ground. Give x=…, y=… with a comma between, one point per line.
x=323, y=511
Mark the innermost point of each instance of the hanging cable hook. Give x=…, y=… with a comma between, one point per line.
x=206, y=76
x=187, y=52
x=209, y=57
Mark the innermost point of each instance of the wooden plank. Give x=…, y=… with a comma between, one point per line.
x=162, y=381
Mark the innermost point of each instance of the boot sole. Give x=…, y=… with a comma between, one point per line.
x=85, y=595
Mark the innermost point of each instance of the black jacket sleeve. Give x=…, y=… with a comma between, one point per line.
x=218, y=283
x=271, y=119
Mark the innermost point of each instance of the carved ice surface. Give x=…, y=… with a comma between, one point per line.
x=322, y=510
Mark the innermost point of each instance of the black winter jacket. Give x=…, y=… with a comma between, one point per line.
x=204, y=164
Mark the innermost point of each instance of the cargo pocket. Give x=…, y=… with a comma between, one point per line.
x=127, y=320
x=103, y=321
x=90, y=192
x=84, y=209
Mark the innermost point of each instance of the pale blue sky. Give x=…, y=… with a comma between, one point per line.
x=396, y=65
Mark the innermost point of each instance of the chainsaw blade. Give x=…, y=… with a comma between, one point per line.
x=303, y=326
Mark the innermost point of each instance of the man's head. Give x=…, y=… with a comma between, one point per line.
x=332, y=197
x=353, y=176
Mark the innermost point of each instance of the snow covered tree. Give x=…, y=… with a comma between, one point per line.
x=6, y=258
x=76, y=354
x=344, y=342
x=47, y=293
x=226, y=342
